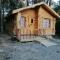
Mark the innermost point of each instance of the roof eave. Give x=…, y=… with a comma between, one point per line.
x=33, y=6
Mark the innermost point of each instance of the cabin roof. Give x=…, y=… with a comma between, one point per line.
x=36, y=5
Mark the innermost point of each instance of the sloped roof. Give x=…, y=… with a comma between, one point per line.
x=35, y=5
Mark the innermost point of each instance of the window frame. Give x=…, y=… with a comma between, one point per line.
x=47, y=23
x=22, y=21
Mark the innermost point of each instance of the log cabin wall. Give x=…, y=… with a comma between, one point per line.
x=36, y=21
x=42, y=15
x=29, y=15
x=36, y=27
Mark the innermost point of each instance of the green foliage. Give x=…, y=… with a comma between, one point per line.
x=57, y=9
x=14, y=4
x=11, y=4
x=20, y=5
x=58, y=27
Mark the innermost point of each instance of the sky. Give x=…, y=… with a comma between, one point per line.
x=56, y=0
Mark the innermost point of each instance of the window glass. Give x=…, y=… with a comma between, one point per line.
x=31, y=20
x=22, y=21
x=46, y=23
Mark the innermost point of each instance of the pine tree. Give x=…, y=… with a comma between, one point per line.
x=49, y=2
x=7, y=6
x=57, y=9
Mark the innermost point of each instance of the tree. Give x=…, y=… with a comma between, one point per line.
x=57, y=9
x=7, y=6
x=30, y=2
x=14, y=4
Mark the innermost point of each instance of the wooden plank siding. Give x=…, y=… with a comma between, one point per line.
x=44, y=14
x=29, y=28
x=34, y=18
x=35, y=28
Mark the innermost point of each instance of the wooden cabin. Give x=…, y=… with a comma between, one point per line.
x=38, y=19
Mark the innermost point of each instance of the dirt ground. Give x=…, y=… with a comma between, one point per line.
x=10, y=50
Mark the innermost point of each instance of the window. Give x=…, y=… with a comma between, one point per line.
x=22, y=21
x=46, y=23
x=31, y=20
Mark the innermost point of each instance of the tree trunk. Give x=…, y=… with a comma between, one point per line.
x=1, y=20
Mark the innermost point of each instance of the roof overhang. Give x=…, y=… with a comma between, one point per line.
x=35, y=5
